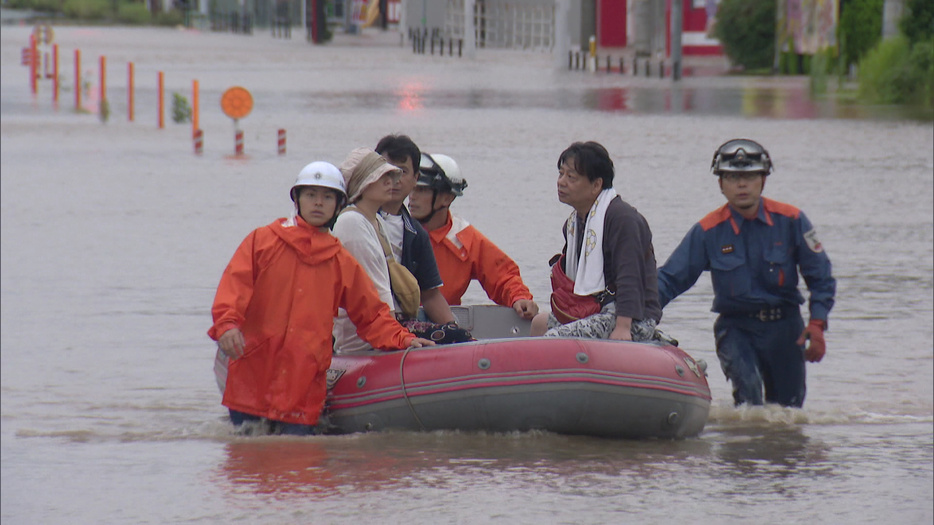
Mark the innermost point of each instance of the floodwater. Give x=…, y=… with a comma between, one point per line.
x=114, y=237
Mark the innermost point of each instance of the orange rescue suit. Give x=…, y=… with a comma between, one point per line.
x=282, y=288
x=463, y=254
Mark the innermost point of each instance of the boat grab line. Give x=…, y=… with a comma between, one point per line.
x=405, y=394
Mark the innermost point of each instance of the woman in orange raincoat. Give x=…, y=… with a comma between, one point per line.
x=275, y=305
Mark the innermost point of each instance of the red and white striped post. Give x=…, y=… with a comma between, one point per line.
x=281, y=142
x=238, y=142
x=199, y=141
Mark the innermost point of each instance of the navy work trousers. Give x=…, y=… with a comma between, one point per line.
x=760, y=355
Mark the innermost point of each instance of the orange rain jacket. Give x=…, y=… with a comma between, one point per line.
x=282, y=289
x=463, y=253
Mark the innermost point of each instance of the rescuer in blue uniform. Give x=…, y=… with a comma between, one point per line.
x=754, y=248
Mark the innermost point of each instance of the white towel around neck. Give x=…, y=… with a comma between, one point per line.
x=586, y=270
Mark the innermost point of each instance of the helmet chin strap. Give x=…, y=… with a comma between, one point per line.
x=434, y=199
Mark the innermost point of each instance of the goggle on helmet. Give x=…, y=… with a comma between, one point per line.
x=741, y=155
x=440, y=173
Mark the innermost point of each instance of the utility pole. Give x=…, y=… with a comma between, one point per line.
x=677, y=27
x=470, y=33
x=562, y=39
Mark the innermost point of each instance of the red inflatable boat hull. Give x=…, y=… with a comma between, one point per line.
x=569, y=386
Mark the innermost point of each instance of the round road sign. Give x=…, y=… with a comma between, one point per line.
x=236, y=102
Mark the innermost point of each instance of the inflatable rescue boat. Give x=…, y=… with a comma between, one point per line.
x=507, y=381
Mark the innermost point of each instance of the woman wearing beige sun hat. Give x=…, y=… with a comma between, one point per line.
x=369, y=181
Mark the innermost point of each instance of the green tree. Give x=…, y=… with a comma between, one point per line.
x=746, y=29
x=860, y=28
x=918, y=22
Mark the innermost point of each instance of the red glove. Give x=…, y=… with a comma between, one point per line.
x=815, y=332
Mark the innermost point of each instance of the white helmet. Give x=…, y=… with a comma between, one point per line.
x=320, y=173
x=440, y=172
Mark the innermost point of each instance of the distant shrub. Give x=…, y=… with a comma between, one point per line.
x=87, y=9
x=746, y=29
x=895, y=72
x=181, y=111
x=168, y=18
x=134, y=14
x=918, y=22
x=45, y=6
x=860, y=28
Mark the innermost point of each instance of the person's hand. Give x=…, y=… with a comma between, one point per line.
x=526, y=308
x=232, y=343
x=814, y=332
x=623, y=329
x=621, y=334
x=419, y=342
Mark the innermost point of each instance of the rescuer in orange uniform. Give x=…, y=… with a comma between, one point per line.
x=275, y=308
x=462, y=252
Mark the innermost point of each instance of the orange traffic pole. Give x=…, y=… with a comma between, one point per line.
x=194, y=107
x=103, y=79
x=55, y=74
x=33, y=64
x=129, y=91
x=78, y=85
x=161, y=100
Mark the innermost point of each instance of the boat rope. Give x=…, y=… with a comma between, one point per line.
x=405, y=394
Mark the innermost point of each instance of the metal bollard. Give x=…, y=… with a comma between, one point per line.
x=460, y=47
x=608, y=64
x=570, y=60
x=661, y=69
x=577, y=60
x=622, y=69
x=635, y=66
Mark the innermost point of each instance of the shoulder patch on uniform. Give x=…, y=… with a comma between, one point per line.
x=810, y=237
x=726, y=248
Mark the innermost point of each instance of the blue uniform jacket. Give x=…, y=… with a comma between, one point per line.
x=753, y=264
x=417, y=254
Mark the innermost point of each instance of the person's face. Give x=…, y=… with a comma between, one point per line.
x=420, y=202
x=317, y=205
x=575, y=189
x=402, y=187
x=742, y=190
x=380, y=192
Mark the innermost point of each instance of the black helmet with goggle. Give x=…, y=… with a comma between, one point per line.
x=741, y=156
x=440, y=173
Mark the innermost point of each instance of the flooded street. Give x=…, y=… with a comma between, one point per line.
x=114, y=237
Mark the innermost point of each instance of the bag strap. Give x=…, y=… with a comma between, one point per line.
x=387, y=251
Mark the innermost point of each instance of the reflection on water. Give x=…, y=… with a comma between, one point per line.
x=770, y=451
x=782, y=102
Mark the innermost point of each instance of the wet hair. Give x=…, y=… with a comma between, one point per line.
x=398, y=148
x=590, y=159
